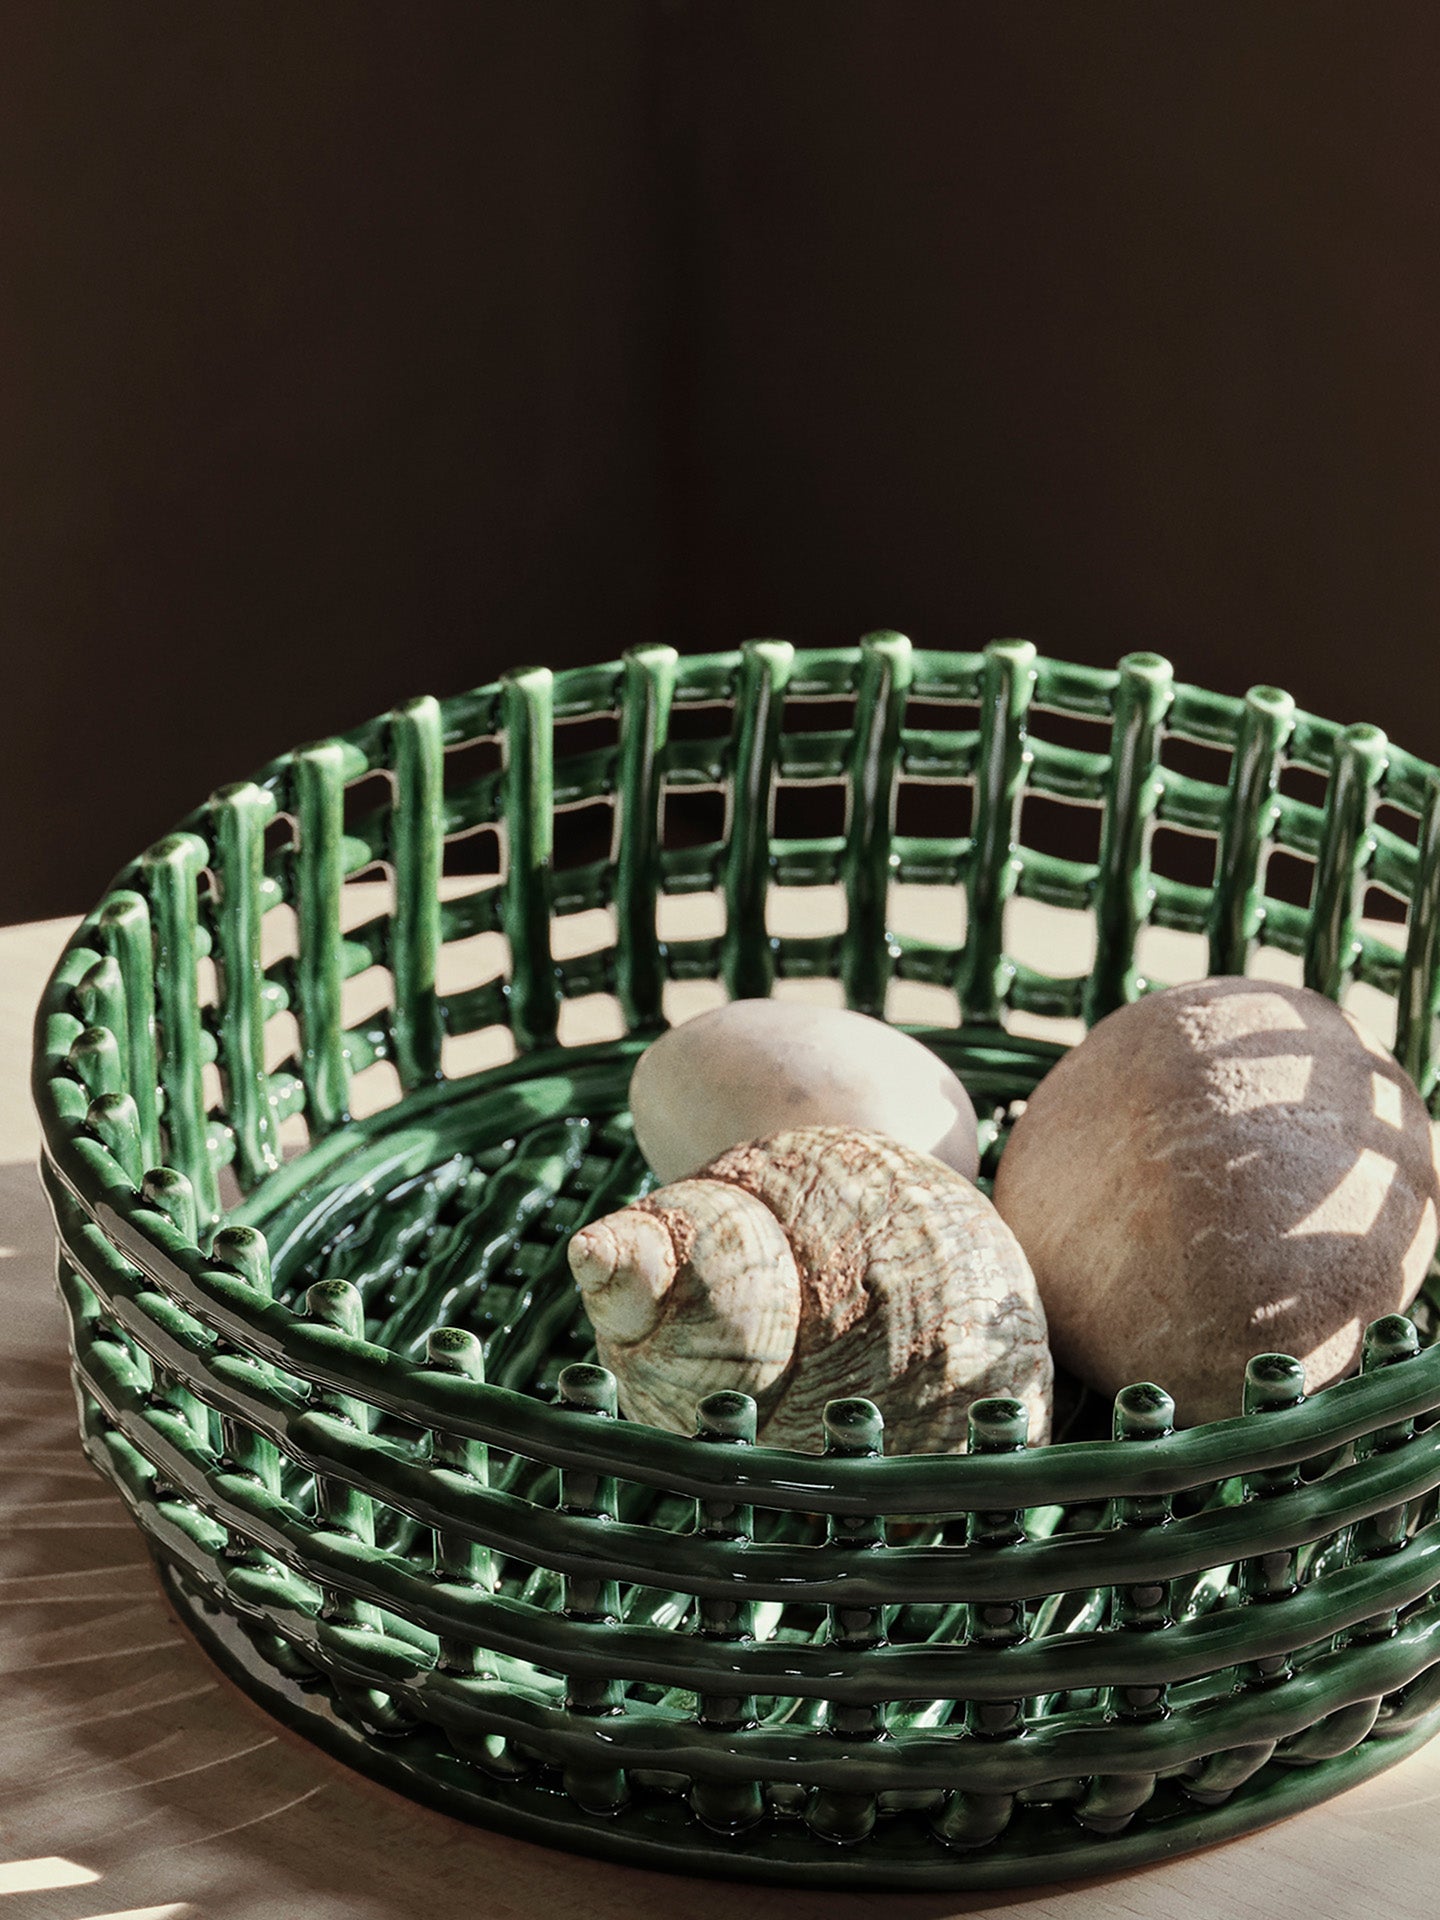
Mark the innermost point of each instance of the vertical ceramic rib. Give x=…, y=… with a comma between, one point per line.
x=416, y=847
x=172, y=870
x=242, y=1251
x=1332, y=944
x=591, y=1390
x=1389, y=1342
x=886, y=669
x=115, y=1122
x=747, y=958
x=725, y=1420
x=1143, y=694
x=1273, y=1381
x=239, y=815
x=1143, y=1414
x=973, y=1818
x=95, y=1059
x=647, y=690
x=526, y=700
x=1007, y=683
x=458, y=1559
x=130, y=942
x=170, y=1194
x=342, y=1508
x=319, y=793
x=98, y=1000
x=1237, y=908
x=1419, y=993
x=996, y=1426
x=854, y=1430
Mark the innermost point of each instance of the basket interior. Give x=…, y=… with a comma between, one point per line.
x=463, y=883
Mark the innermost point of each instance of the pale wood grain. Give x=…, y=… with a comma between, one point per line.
x=172, y=1796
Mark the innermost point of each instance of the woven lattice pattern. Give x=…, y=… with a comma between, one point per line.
x=327, y=1347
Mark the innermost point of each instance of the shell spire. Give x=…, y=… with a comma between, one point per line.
x=690, y=1290
x=624, y=1267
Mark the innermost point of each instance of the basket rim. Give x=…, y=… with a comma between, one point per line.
x=86, y=1172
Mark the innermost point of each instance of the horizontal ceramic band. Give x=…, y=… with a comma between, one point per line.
x=644, y=1737
x=828, y=1574
x=910, y=1484
x=942, y=1670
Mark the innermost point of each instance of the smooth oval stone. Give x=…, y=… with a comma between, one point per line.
x=757, y=1067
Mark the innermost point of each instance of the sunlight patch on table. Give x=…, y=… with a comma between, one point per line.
x=43, y=1874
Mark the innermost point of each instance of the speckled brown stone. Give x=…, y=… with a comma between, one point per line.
x=1221, y=1169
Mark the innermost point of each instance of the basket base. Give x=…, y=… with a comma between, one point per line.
x=657, y=1831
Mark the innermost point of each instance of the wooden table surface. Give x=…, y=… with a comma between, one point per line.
x=136, y=1784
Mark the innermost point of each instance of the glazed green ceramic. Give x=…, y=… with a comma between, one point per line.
x=336, y=1369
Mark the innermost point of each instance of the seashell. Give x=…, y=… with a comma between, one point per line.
x=822, y=1263
x=753, y=1068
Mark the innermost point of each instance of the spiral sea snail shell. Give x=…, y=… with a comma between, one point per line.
x=818, y=1264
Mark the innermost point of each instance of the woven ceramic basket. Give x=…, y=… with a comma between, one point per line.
x=315, y=1143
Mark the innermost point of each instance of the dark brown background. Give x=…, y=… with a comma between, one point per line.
x=351, y=350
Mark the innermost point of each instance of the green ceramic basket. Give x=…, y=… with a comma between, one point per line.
x=335, y=1367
